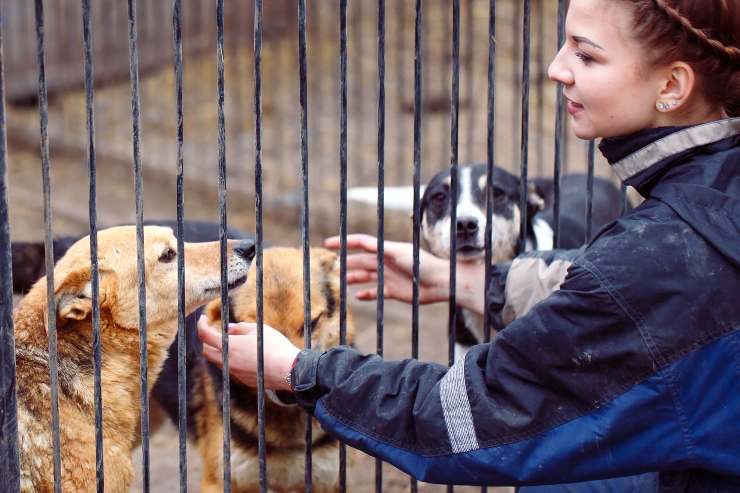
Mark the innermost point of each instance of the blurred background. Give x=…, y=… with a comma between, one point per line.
x=281, y=127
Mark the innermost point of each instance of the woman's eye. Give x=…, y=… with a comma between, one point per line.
x=168, y=256
x=586, y=59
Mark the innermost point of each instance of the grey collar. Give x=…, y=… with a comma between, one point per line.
x=675, y=143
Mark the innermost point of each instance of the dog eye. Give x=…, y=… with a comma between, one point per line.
x=168, y=256
x=314, y=323
x=439, y=197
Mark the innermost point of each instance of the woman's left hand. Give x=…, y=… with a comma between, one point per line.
x=280, y=353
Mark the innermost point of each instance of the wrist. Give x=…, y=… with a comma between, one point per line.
x=286, y=382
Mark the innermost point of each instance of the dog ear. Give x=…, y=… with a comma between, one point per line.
x=535, y=199
x=73, y=297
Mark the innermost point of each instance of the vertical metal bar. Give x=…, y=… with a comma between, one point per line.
x=559, y=130
x=381, y=204
x=516, y=73
x=226, y=394
x=525, y=124
x=590, y=190
x=416, y=237
x=343, y=207
x=136, y=125
x=95, y=275
x=303, y=98
x=470, y=79
x=48, y=243
x=182, y=407
x=9, y=458
x=490, y=143
x=454, y=120
x=400, y=130
x=262, y=450
x=540, y=87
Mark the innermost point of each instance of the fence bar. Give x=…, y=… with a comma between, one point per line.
x=559, y=130
x=526, y=38
x=490, y=141
x=469, y=58
x=182, y=408
x=9, y=458
x=590, y=190
x=416, y=236
x=262, y=450
x=540, y=87
x=95, y=275
x=138, y=183
x=48, y=243
x=303, y=99
x=343, y=207
x=381, y=204
x=454, y=119
x=226, y=394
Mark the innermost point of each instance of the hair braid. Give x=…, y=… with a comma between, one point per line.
x=732, y=53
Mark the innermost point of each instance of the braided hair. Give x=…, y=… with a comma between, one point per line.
x=703, y=33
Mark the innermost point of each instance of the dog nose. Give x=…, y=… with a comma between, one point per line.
x=467, y=226
x=245, y=249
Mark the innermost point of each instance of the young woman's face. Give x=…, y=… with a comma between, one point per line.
x=608, y=90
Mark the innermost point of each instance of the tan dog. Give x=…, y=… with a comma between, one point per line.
x=285, y=424
x=119, y=334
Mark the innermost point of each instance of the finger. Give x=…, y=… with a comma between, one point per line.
x=361, y=276
x=208, y=334
x=364, y=261
x=367, y=295
x=213, y=355
x=332, y=242
x=354, y=242
x=242, y=328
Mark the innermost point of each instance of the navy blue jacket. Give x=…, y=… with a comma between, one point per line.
x=632, y=366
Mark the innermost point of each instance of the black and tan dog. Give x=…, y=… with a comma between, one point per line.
x=119, y=333
x=285, y=423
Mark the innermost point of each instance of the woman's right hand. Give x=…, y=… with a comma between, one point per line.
x=362, y=268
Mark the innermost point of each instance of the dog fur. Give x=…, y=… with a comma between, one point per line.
x=285, y=424
x=119, y=333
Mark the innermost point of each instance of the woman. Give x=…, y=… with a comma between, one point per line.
x=633, y=365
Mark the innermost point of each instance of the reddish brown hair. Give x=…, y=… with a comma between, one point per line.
x=703, y=33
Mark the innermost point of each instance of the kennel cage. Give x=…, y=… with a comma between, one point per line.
x=101, y=69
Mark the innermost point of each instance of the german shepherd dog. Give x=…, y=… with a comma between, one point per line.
x=284, y=422
x=119, y=333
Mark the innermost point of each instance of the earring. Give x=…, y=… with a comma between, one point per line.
x=661, y=106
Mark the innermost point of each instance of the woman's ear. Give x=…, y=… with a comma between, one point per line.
x=677, y=87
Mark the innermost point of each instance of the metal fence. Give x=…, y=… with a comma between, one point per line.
x=93, y=21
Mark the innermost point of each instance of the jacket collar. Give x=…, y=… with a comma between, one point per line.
x=638, y=157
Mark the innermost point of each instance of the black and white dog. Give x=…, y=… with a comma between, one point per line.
x=506, y=221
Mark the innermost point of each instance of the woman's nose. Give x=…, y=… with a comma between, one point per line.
x=558, y=70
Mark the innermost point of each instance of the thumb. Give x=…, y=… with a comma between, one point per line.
x=242, y=329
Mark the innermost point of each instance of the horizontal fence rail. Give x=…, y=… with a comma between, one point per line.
x=434, y=85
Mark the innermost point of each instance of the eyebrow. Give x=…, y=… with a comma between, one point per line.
x=581, y=39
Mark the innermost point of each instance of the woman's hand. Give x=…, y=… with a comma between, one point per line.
x=280, y=353
x=434, y=273
x=434, y=285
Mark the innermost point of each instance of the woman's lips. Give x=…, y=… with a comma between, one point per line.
x=574, y=108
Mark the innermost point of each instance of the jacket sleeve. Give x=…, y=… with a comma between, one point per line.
x=566, y=393
x=517, y=286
